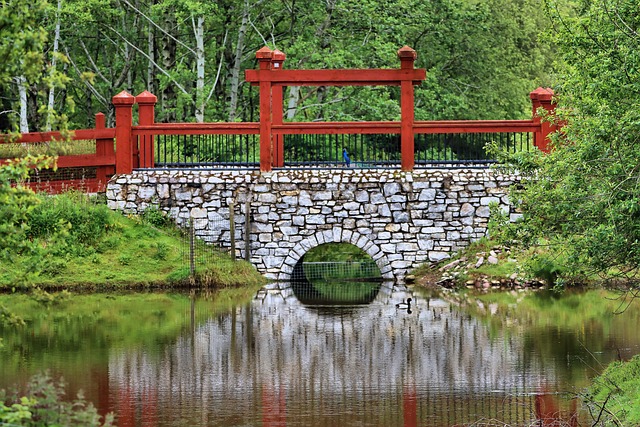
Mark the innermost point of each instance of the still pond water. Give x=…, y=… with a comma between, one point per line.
x=329, y=355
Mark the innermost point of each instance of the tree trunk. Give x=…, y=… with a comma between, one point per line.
x=168, y=61
x=294, y=98
x=198, y=30
x=235, y=69
x=22, y=91
x=56, y=41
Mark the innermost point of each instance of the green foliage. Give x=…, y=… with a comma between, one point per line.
x=22, y=39
x=72, y=215
x=47, y=299
x=482, y=58
x=617, y=390
x=16, y=204
x=583, y=198
x=44, y=406
x=336, y=252
x=28, y=61
x=548, y=267
x=156, y=217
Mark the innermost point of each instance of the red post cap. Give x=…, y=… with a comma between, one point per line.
x=542, y=94
x=406, y=53
x=277, y=59
x=407, y=57
x=123, y=98
x=264, y=53
x=146, y=97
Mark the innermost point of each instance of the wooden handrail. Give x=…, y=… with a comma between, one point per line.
x=43, y=137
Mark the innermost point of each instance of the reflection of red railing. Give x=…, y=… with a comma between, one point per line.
x=274, y=406
x=549, y=414
x=134, y=145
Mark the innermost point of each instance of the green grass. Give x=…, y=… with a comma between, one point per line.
x=79, y=243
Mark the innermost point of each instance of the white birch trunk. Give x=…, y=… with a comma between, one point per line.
x=56, y=42
x=198, y=30
x=22, y=91
x=292, y=105
x=235, y=70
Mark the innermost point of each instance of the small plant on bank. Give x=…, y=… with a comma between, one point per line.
x=156, y=217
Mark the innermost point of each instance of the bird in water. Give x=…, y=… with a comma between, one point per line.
x=346, y=158
x=405, y=305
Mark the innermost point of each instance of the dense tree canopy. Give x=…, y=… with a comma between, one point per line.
x=482, y=57
x=584, y=197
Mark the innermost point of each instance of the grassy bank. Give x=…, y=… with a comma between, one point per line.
x=75, y=242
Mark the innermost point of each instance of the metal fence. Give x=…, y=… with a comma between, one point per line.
x=455, y=148
x=331, y=271
x=207, y=150
x=203, y=240
x=362, y=150
x=204, y=237
x=328, y=150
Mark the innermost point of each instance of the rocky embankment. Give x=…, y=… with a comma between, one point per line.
x=495, y=268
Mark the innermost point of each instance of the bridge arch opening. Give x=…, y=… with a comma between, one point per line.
x=290, y=266
x=336, y=262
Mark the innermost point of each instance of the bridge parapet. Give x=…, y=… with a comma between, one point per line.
x=402, y=219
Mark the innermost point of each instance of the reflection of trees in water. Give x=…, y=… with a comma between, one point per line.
x=354, y=360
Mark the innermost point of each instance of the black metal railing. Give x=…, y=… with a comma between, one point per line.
x=209, y=150
x=455, y=148
x=362, y=150
x=327, y=150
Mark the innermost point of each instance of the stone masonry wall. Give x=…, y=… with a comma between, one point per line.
x=402, y=219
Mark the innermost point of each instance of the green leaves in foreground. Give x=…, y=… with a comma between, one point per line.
x=582, y=200
x=44, y=406
x=16, y=203
x=615, y=394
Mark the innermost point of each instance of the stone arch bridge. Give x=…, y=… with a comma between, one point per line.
x=402, y=219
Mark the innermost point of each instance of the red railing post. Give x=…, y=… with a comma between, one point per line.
x=542, y=97
x=407, y=116
x=277, y=60
x=104, y=147
x=146, y=116
x=264, y=60
x=123, y=103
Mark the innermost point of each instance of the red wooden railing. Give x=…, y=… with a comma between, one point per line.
x=97, y=168
x=134, y=144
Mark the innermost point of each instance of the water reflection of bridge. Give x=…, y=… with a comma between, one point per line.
x=280, y=362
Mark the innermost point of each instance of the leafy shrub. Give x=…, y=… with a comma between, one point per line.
x=70, y=214
x=16, y=202
x=8, y=318
x=44, y=406
x=156, y=217
x=546, y=266
x=54, y=267
x=46, y=298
